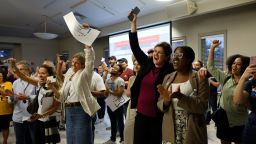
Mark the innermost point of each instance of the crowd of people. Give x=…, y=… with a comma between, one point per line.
x=166, y=98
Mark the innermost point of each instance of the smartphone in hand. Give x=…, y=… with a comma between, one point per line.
x=253, y=60
x=136, y=10
x=52, y=79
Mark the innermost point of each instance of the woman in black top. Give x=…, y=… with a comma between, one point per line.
x=144, y=95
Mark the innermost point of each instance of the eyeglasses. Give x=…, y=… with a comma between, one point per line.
x=157, y=52
x=177, y=55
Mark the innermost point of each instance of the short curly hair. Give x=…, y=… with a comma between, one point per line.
x=245, y=62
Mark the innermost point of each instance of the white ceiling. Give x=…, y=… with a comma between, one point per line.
x=21, y=18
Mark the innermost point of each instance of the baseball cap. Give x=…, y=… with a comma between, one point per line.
x=112, y=57
x=123, y=60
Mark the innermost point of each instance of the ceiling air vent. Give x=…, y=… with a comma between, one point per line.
x=79, y=15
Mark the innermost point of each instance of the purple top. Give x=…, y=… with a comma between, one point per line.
x=147, y=103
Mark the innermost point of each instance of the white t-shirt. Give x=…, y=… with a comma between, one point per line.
x=97, y=83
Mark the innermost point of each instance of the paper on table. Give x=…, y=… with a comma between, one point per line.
x=84, y=35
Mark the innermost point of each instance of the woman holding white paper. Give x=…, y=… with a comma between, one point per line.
x=80, y=105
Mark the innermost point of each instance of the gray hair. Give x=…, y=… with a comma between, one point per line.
x=25, y=63
x=80, y=56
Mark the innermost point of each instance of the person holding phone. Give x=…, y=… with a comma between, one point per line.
x=245, y=94
x=144, y=95
x=42, y=124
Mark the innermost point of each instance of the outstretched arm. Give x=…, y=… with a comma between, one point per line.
x=21, y=75
x=59, y=73
x=218, y=74
x=140, y=56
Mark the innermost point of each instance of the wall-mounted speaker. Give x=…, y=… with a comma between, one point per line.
x=191, y=7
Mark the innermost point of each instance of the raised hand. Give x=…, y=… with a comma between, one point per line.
x=215, y=43
x=134, y=22
x=86, y=25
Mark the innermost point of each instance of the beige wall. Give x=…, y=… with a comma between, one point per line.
x=72, y=46
x=240, y=25
x=33, y=49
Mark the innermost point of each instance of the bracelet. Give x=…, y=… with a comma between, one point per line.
x=43, y=115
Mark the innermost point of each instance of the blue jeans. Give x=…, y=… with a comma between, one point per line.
x=79, y=126
x=22, y=133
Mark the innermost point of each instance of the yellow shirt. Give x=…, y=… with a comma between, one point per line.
x=5, y=107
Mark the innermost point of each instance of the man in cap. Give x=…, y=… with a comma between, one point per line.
x=126, y=72
x=125, y=75
x=112, y=61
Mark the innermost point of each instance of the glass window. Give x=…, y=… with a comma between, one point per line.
x=220, y=51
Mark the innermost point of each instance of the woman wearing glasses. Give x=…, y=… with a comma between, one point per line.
x=144, y=95
x=184, y=101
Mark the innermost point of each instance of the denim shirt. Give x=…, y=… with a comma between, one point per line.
x=20, y=113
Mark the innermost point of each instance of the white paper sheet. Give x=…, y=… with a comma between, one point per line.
x=84, y=35
x=115, y=102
